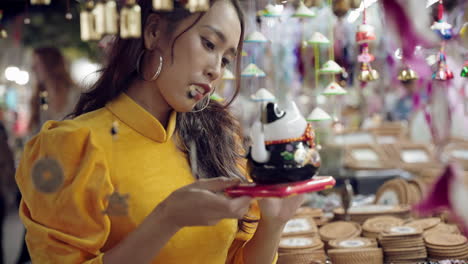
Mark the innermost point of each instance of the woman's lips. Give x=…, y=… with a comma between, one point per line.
x=196, y=92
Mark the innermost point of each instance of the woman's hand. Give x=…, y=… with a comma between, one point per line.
x=279, y=210
x=203, y=203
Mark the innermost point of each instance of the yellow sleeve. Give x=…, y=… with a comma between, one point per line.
x=66, y=226
x=236, y=251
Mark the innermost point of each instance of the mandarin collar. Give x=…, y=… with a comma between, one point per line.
x=136, y=117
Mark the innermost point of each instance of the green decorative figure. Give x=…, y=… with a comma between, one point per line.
x=287, y=155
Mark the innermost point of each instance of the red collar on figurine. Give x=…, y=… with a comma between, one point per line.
x=308, y=135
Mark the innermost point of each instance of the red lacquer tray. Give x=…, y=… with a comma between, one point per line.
x=315, y=184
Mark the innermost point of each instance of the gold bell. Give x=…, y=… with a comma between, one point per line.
x=40, y=2
x=367, y=74
x=340, y=7
x=87, y=21
x=130, y=20
x=163, y=5
x=198, y=5
x=407, y=74
x=112, y=18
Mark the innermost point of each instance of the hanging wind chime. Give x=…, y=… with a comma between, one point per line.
x=444, y=30
x=365, y=35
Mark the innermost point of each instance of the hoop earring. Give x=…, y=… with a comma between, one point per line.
x=156, y=74
x=207, y=102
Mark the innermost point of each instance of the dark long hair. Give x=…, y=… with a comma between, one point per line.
x=57, y=71
x=214, y=131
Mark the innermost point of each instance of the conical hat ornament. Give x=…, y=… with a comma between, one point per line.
x=263, y=95
x=252, y=70
x=228, y=75
x=331, y=67
x=256, y=37
x=318, y=38
x=272, y=11
x=464, y=72
x=303, y=11
x=318, y=114
x=334, y=89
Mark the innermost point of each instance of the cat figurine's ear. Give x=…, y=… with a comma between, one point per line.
x=271, y=113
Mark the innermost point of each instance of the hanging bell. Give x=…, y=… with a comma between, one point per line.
x=87, y=29
x=407, y=74
x=163, y=5
x=198, y=5
x=40, y=2
x=112, y=17
x=130, y=20
x=367, y=74
x=340, y=7
x=99, y=18
x=464, y=72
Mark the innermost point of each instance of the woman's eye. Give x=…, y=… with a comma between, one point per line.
x=208, y=44
x=225, y=62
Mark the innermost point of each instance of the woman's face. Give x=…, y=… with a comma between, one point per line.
x=200, y=56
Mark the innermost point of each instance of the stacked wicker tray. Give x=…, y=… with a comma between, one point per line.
x=442, y=246
x=403, y=245
x=362, y=213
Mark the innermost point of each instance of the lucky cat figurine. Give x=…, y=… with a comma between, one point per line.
x=283, y=148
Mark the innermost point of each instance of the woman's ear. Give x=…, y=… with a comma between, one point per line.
x=153, y=31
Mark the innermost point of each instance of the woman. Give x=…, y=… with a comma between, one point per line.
x=157, y=90
x=55, y=88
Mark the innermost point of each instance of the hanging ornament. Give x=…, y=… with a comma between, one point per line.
x=331, y=67
x=334, y=89
x=87, y=29
x=68, y=14
x=112, y=17
x=367, y=74
x=228, y=75
x=163, y=5
x=252, y=70
x=263, y=95
x=365, y=34
x=443, y=73
x=130, y=20
x=318, y=114
x=443, y=29
x=198, y=5
x=47, y=175
x=272, y=11
x=340, y=7
x=303, y=11
x=464, y=72
x=407, y=74
x=256, y=37
x=318, y=38
x=99, y=18
x=315, y=3
x=40, y=2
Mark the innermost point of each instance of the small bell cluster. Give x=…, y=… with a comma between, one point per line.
x=443, y=73
x=407, y=75
x=102, y=17
x=464, y=72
